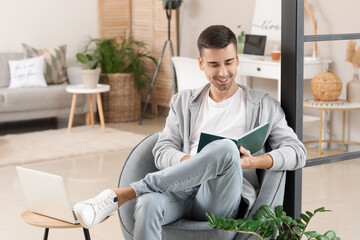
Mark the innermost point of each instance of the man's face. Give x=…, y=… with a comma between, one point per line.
x=220, y=66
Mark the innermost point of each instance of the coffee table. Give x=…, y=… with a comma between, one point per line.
x=80, y=89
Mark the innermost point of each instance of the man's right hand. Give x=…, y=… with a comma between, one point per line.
x=185, y=158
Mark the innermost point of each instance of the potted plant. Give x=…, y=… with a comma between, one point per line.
x=267, y=220
x=241, y=41
x=123, y=66
x=91, y=72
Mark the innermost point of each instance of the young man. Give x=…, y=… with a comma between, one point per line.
x=216, y=179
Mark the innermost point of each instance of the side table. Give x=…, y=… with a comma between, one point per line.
x=323, y=107
x=79, y=89
x=47, y=223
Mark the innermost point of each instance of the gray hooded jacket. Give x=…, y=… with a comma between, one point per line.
x=282, y=144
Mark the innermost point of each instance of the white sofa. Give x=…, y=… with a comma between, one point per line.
x=18, y=104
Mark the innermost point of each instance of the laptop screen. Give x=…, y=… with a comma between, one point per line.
x=254, y=44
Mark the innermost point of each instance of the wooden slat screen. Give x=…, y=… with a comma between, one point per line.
x=114, y=18
x=149, y=24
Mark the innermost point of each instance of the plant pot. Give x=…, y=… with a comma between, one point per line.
x=90, y=77
x=353, y=89
x=123, y=102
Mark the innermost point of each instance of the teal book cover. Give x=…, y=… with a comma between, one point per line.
x=252, y=140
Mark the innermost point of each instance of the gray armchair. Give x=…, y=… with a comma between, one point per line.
x=140, y=162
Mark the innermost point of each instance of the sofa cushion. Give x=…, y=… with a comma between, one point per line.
x=55, y=62
x=27, y=73
x=4, y=67
x=32, y=99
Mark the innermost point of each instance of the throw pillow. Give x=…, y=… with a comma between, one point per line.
x=55, y=62
x=27, y=73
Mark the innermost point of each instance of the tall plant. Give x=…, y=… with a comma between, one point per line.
x=266, y=221
x=123, y=56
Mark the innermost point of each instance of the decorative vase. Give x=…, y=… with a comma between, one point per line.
x=90, y=77
x=353, y=89
x=326, y=86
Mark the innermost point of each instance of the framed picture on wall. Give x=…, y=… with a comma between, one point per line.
x=267, y=19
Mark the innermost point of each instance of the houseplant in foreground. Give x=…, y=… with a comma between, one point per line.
x=124, y=67
x=267, y=220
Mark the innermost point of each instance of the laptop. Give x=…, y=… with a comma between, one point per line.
x=45, y=194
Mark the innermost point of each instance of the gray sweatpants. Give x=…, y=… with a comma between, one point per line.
x=209, y=181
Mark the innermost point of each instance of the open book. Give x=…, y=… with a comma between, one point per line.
x=252, y=140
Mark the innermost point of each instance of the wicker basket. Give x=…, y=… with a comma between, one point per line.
x=123, y=102
x=326, y=86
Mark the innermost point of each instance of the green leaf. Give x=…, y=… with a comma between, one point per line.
x=311, y=234
x=82, y=58
x=240, y=224
x=254, y=225
x=330, y=234
x=268, y=234
x=300, y=224
x=309, y=214
x=288, y=220
x=322, y=209
x=210, y=217
x=304, y=217
x=279, y=211
x=89, y=57
x=322, y=237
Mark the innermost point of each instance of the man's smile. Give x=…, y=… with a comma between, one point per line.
x=222, y=80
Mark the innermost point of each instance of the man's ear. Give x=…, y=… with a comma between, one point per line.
x=201, y=63
x=237, y=58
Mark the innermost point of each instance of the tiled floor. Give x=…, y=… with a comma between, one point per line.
x=333, y=186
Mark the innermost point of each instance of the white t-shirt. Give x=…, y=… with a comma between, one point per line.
x=226, y=118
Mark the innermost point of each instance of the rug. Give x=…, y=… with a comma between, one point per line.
x=58, y=144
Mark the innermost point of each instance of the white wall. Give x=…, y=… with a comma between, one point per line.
x=332, y=16
x=196, y=15
x=47, y=23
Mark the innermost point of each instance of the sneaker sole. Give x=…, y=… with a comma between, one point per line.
x=80, y=218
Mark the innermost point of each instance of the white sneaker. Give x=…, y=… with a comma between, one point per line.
x=94, y=210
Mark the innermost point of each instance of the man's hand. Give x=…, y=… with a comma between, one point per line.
x=251, y=162
x=185, y=158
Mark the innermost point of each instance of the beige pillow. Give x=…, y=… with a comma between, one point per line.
x=55, y=62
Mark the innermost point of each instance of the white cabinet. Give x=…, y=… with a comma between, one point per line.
x=265, y=67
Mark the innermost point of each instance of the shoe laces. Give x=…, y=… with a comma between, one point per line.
x=104, y=204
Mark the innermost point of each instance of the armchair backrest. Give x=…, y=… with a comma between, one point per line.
x=188, y=73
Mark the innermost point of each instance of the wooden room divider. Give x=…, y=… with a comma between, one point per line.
x=146, y=21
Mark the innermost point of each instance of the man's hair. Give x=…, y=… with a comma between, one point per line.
x=216, y=36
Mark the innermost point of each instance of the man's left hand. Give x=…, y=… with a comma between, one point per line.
x=251, y=162
x=246, y=158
